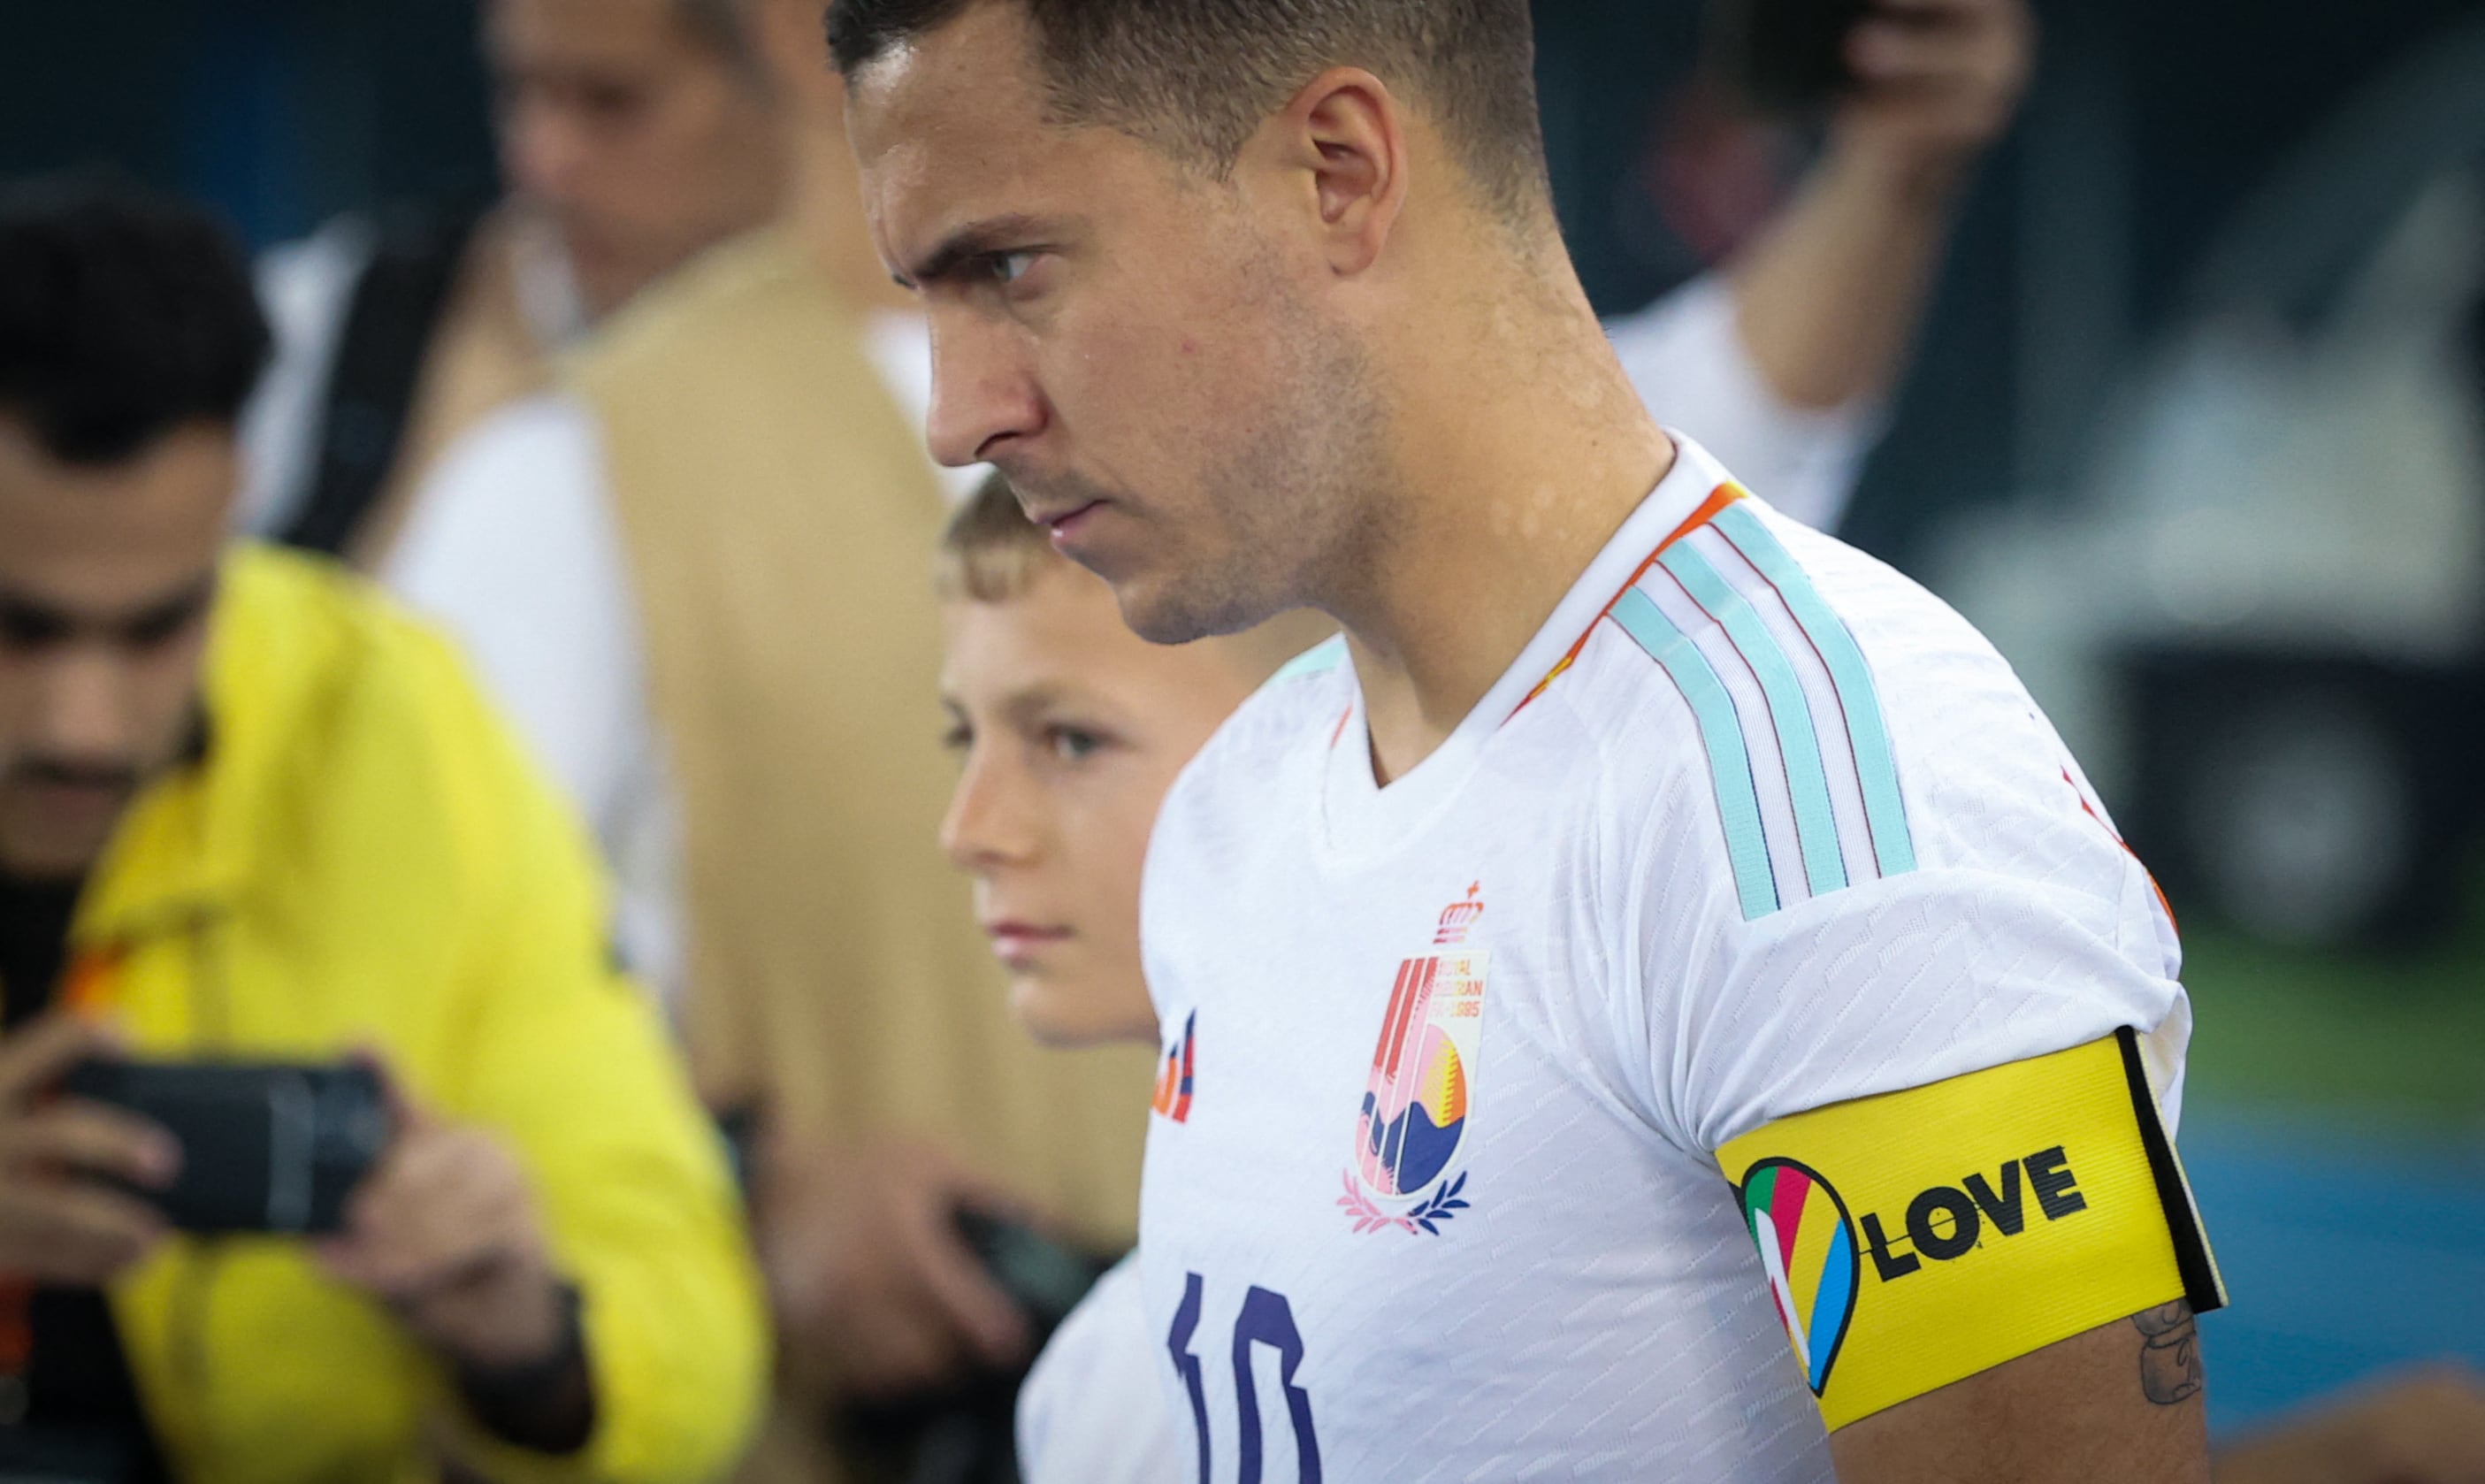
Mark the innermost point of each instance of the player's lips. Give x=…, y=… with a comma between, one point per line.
x=1066, y=524
x=1017, y=944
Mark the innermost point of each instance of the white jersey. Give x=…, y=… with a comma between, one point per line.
x=1779, y=831
x=1092, y=1411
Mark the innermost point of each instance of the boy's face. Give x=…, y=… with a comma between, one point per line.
x=1071, y=729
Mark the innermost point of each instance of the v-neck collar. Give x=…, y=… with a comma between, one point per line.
x=1364, y=820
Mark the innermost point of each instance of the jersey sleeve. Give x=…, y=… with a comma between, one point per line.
x=1902, y=984
x=1932, y=1104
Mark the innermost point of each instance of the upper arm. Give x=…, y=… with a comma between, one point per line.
x=2120, y=1402
x=1906, y=988
x=1957, y=1266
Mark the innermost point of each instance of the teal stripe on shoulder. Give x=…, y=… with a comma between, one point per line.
x=1318, y=660
x=1721, y=733
x=1815, y=821
x=1876, y=762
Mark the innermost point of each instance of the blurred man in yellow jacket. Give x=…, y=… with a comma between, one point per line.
x=248, y=811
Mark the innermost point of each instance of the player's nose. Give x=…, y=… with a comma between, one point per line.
x=984, y=391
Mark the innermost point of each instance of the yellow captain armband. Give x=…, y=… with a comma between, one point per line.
x=1918, y=1238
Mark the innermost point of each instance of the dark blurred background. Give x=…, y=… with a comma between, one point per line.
x=2198, y=434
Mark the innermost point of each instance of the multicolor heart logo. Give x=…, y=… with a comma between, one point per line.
x=1807, y=1245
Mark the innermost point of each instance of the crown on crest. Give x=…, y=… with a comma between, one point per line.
x=1460, y=917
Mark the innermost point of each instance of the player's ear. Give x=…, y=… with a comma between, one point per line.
x=1344, y=137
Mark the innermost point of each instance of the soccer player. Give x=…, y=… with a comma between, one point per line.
x=1776, y=1051
x=1069, y=729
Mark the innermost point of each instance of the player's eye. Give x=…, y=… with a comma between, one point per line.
x=1008, y=268
x=1072, y=745
x=958, y=737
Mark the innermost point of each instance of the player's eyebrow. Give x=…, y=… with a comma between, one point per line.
x=975, y=240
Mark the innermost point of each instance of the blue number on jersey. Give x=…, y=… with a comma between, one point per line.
x=1266, y=1319
x=1186, y=1323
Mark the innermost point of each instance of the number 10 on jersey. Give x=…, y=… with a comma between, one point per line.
x=1265, y=1319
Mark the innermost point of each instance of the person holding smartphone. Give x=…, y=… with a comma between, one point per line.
x=370, y=1153
x=1781, y=362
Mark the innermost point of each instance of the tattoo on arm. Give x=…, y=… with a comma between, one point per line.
x=2169, y=1353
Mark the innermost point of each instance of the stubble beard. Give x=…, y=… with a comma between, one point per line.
x=1301, y=503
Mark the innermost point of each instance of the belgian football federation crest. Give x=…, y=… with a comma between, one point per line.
x=1412, y=1126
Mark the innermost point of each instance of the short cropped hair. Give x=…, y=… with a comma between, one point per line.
x=991, y=553
x=123, y=314
x=1199, y=76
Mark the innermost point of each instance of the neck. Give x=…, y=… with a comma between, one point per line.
x=1520, y=456
x=824, y=209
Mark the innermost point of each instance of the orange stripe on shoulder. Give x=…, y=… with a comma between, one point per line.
x=1718, y=499
x=2090, y=810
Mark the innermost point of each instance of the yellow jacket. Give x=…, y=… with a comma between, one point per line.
x=365, y=859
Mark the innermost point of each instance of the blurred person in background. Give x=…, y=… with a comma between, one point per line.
x=249, y=812
x=634, y=134
x=711, y=549
x=1780, y=363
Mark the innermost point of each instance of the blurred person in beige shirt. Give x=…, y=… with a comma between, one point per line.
x=634, y=134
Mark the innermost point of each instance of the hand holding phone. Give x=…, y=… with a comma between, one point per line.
x=262, y=1146
x=445, y=1231
x=68, y=1165
x=1935, y=83
x=1915, y=83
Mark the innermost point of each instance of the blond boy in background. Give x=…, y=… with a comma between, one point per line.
x=1069, y=728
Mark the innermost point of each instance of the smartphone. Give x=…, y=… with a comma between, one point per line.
x=1784, y=57
x=265, y=1148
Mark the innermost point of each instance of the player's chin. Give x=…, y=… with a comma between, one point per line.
x=1169, y=609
